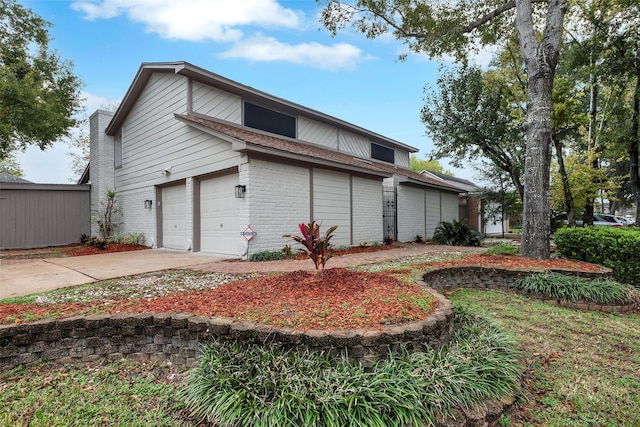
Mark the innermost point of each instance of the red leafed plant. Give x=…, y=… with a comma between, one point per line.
x=317, y=248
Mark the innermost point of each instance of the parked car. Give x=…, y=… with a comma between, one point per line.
x=624, y=221
x=599, y=220
x=606, y=220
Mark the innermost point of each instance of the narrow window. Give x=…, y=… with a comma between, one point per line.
x=117, y=153
x=379, y=152
x=261, y=118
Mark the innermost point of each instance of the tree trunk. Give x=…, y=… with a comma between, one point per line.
x=541, y=59
x=634, y=148
x=568, y=197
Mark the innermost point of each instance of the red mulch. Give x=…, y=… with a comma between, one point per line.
x=351, y=250
x=338, y=298
x=80, y=250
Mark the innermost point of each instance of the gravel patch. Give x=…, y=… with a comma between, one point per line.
x=145, y=286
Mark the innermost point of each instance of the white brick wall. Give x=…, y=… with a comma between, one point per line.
x=139, y=219
x=101, y=167
x=278, y=197
x=367, y=210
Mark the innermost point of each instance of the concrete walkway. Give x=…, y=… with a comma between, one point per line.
x=24, y=277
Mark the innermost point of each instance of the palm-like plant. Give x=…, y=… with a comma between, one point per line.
x=317, y=248
x=456, y=233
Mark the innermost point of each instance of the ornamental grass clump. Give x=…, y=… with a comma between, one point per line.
x=242, y=384
x=572, y=288
x=317, y=248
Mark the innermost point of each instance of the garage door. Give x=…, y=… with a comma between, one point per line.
x=174, y=220
x=332, y=203
x=219, y=230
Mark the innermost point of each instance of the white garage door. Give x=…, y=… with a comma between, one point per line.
x=174, y=221
x=332, y=203
x=219, y=230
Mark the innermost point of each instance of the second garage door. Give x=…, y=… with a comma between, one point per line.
x=219, y=230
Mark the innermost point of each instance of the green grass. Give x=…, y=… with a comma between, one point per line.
x=123, y=393
x=584, y=367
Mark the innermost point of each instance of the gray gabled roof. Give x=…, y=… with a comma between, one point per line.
x=246, y=92
x=7, y=177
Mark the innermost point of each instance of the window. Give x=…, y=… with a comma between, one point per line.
x=261, y=118
x=117, y=151
x=379, y=152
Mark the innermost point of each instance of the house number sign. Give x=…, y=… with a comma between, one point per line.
x=248, y=233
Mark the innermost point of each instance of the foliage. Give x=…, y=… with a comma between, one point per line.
x=573, y=288
x=502, y=249
x=84, y=239
x=317, y=248
x=133, y=238
x=418, y=165
x=456, y=233
x=39, y=95
x=95, y=242
x=468, y=117
x=388, y=240
x=239, y=385
x=615, y=248
x=266, y=256
x=10, y=165
x=106, y=217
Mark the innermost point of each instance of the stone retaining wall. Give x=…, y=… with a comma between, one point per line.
x=477, y=277
x=177, y=337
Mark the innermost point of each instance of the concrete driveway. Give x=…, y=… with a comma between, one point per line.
x=24, y=277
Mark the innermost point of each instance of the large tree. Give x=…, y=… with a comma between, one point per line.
x=39, y=94
x=436, y=28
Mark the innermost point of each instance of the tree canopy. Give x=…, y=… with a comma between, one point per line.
x=454, y=27
x=39, y=94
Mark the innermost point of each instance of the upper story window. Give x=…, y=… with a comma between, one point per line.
x=261, y=118
x=117, y=151
x=380, y=152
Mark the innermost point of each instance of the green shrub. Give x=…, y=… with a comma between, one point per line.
x=502, y=249
x=240, y=385
x=456, y=233
x=266, y=256
x=117, y=238
x=573, y=288
x=134, y=238
x=615, y=248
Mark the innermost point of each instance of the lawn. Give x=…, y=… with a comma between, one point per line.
x=582, y=368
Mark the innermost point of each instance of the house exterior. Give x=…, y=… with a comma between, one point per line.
x=199, y=161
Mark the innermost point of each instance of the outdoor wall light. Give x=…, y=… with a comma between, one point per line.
x=240, y=190
x=148, y=204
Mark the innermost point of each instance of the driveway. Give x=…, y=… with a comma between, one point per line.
x=24, y=277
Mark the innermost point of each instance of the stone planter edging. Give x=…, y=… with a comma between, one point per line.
x=478, y=277
x=178, y=337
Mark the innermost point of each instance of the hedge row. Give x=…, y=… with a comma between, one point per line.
x=616, y=248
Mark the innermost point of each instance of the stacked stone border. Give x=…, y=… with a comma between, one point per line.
x=177, y=338
x=478, y=277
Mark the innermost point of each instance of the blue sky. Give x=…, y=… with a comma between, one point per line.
x=275, y=46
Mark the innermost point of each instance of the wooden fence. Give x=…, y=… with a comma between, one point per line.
x=41, y=215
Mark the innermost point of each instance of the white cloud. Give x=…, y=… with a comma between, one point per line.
x=194, y=20
x=262, y=48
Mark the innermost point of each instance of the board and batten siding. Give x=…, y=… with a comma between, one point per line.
x=367, y=220
x=278, y=197
x=433, y=211
x=153, y=140
x=332, y=203
x=317, y=133
x=449, y=206
x=216, y=103
x=410, y=212
x=41, y=215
